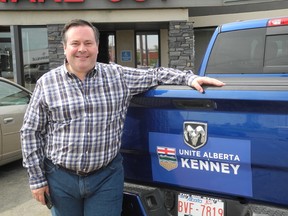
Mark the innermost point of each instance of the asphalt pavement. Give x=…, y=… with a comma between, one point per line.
x=15, y=195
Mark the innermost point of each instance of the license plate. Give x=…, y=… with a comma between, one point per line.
x=194, y=205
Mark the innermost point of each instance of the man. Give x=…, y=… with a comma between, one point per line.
x=73, y=125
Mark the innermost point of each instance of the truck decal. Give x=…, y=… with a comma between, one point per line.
x=167, y=158
x=195, y=134
x=219, y=165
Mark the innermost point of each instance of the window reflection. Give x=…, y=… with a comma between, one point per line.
x=35, y=54
x=276, y=51
x=112, y=48
x=147, y=46
x=6, y=65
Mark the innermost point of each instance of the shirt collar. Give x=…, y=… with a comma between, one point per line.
x=92, y=73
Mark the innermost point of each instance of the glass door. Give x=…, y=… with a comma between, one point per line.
x=6, y=64
x=147, y=48
x=35, y=54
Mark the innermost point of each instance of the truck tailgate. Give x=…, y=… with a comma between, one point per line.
x=230, y=141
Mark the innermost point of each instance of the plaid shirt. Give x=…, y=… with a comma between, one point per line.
x=78, y=124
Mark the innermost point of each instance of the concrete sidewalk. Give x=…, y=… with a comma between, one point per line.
x=15, y=195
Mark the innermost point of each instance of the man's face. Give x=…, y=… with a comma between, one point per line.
x=81, y=49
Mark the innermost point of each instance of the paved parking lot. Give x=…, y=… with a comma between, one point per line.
x=15, y=195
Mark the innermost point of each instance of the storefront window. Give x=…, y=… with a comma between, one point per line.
x=147, y=46
x=35, y=54
x=106, y=50
x=112, y=49
x=6, y=65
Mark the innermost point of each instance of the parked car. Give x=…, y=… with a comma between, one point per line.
x=13, y=103
x=33, y=72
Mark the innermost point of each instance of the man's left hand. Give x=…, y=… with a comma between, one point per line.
x=199, y=81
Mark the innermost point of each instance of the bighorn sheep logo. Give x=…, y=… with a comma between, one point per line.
x=195, y=134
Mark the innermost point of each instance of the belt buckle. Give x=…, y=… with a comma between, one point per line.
x=80, y=173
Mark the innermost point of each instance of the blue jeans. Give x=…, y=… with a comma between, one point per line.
x=99, y=194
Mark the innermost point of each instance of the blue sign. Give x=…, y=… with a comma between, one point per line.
x=126, y=56
x=222, y=165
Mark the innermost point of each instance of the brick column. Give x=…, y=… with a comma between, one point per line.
x=56, y=52
x=181, y=45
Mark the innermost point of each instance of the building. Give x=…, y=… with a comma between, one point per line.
x=136, y=33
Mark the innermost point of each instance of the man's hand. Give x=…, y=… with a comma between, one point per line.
x=199, y=81
x=38, y=194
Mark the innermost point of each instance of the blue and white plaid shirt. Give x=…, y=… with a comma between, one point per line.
x=78, y=125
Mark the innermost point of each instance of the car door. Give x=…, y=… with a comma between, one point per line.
x=13, y=103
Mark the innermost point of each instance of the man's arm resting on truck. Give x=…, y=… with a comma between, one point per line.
x=199, y=81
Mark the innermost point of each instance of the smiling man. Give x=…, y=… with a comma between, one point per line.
x=81, y=50
x=72, y=129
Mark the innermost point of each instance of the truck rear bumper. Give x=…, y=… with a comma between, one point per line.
x=144, y=200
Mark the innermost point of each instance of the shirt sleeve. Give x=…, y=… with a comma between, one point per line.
x=140, y=80
x=33, y=139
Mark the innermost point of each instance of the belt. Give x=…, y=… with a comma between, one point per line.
x=79, y=173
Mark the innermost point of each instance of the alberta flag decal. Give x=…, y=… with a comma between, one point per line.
x=167, y=157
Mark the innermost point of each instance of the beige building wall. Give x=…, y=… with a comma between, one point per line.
x=125, y=39
x=164, y=47
x=99, y=16
x=125, y=42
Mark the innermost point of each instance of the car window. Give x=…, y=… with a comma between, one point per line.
x=276, y=50
x=238, y=52
x=12, y=95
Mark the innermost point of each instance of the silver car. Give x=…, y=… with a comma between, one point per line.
x=13, y=103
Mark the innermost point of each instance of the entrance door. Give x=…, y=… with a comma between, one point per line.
x=147, y=46
x=107, y=47
x=6, y=65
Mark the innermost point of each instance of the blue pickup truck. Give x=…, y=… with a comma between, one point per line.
x=221, y=153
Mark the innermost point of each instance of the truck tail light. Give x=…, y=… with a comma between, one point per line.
x=120, y=0
x=278, y=22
